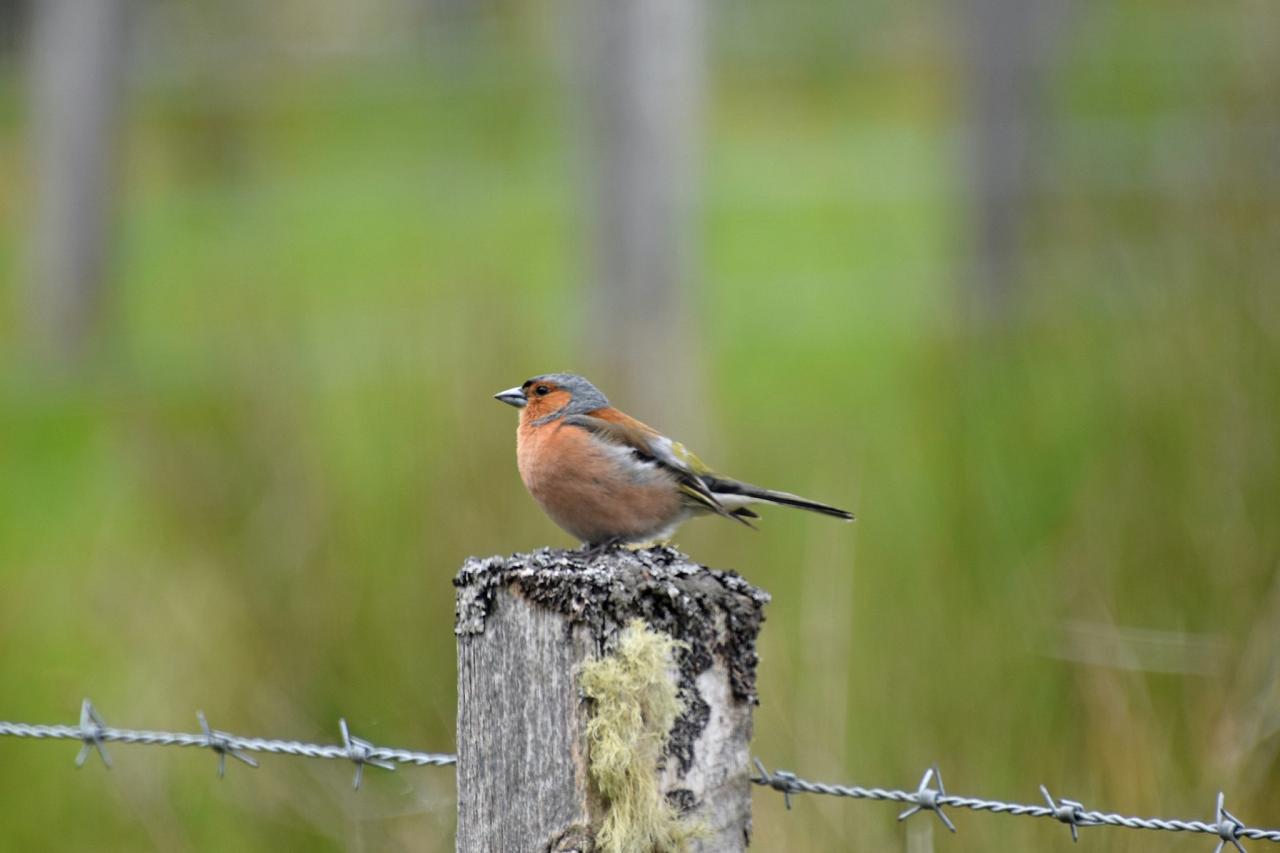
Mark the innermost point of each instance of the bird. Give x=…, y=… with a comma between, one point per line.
x=610, y=480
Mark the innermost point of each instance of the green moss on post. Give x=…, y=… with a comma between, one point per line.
x=635, y=703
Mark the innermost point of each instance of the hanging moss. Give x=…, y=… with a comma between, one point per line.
x=635, y=703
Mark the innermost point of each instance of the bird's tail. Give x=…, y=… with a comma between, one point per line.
x=723, y=486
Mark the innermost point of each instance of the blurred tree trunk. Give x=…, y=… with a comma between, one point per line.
x=77, y=67
x=644, y=74
x=1009, y=49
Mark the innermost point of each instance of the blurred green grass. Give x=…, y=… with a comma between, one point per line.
x=252, y=502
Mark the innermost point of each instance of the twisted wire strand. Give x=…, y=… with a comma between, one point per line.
x=92, y=733
x=224, y=740
x=1228, y=828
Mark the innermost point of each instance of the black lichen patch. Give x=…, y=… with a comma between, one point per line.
x=715, y=614
x=682, y=800
x=692, y=720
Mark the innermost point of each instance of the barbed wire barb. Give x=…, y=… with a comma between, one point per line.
x=1069, y=812
x=1229, y=826
x=361, y=752
x=219, y=742
x=779, y=781
x=92, y=727
x=927, y=798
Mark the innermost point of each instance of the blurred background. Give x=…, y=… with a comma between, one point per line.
x=998, y=275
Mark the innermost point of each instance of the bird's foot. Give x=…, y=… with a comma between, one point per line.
x=595, y=549
x=591, y=550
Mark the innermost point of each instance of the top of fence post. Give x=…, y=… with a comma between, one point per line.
x=526, y=627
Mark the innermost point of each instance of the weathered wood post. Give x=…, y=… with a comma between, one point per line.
x=529, y=625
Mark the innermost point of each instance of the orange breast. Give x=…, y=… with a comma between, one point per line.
x=595, y=490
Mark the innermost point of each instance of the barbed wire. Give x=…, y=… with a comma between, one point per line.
x=1227, y=827
x=92, y=732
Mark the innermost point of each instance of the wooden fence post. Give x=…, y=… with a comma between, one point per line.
x=527, y=624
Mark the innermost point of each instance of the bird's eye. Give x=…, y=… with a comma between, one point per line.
x=542, y=390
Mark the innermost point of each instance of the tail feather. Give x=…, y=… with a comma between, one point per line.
x=723, y=486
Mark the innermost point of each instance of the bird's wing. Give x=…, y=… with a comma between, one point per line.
x=649, y=444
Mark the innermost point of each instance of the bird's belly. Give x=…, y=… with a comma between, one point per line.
x=597, y=491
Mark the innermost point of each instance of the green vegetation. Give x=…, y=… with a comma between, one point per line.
x=253, y=500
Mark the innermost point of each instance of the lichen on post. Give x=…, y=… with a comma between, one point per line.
x=528, y=628
x=634, y=700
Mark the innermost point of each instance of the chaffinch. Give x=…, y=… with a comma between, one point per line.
x=608, y=479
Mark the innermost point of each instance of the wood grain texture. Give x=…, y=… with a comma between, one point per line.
x=525, y=624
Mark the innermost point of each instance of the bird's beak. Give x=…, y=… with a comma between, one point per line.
x=512, y=397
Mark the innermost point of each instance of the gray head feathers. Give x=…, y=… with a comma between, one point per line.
x=586, y=397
